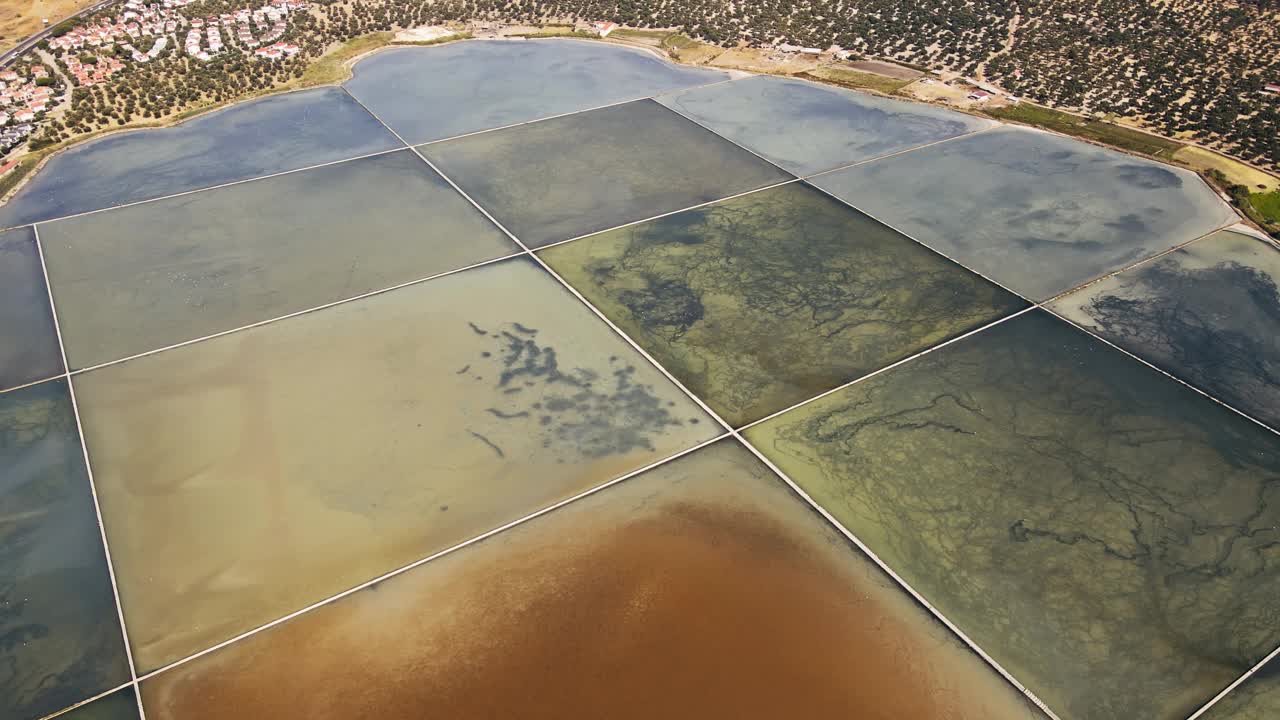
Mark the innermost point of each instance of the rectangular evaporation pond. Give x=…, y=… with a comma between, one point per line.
x=1099, y=529
x=250, y=475
x=573, y=175
x=429, y=94
x=145, y=277
x=766, y=300
x=1037, y=213
x=271, y=135
x=28, y=339
x=808, y=128
x=1208, y=313
x=702, y=588
x=58, y=621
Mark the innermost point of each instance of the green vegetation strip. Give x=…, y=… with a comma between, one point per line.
x=332, y=67
x=1268, y=206
x=1096, y=130
x=658, y=36
x=857, y=80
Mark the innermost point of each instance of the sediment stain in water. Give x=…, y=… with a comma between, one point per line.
x=1107, y=535
x=766, y=300
x=1258, y=698
x=60, y=640
x=136, y=279
x=247, y=476
x=808, y=128
x=1208, y=313
x=702, y=588
x=28, y=340
x=269, y=135
x=611, y=166
x=1036, y=212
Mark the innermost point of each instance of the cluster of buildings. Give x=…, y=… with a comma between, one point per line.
x=604, y=28
x=798, y=50
x=138, y=21
x=92, y=74
x=212, y=33
x=157, y=47
x=20, y=100
x=277, y=51
x=1271, y=89
x=269, y=20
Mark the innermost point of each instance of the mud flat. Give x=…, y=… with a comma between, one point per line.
x=699, y=589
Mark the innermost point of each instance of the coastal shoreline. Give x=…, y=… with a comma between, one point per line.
x=347, y=66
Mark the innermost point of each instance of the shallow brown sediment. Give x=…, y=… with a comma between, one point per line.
x=701, y=589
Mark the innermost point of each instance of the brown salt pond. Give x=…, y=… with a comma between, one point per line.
x=702, y=588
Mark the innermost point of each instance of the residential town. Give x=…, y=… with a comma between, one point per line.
x=135, y=32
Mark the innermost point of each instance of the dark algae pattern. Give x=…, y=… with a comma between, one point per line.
x=60, y=639
x=1107, y=535
x=766, y=300
x=1209, y=313
x=596, y=413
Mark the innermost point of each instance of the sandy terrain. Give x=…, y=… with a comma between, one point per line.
x=20, y=18
x=426, y=33
x=1236, y=171
x=887, y=69
x=934, y=91
x=763, y=60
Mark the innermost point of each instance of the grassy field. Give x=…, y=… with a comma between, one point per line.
x=1236, y=171
x=1103, y=132
x=656, y=38
x=856, y=79
x=1267, y=205
x=332, y=67
x=680, y=42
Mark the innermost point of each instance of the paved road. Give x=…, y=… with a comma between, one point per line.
x=30, y=42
